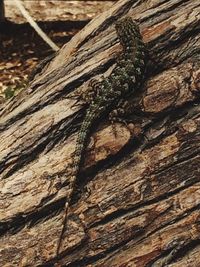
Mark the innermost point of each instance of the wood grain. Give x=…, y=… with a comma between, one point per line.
x=138, y=194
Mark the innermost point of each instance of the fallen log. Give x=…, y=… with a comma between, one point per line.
x=138, y=192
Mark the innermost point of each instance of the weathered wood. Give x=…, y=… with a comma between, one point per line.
x=139, y=194
x=59, y=10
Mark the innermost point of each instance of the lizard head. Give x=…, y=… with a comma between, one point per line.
x=126, y=28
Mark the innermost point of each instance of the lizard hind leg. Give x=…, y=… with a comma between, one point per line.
x=123, y=114
x=86, y=95
x=117, y=115
x=93, y=90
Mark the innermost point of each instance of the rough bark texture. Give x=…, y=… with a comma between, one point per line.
x=56, y=10
x=138, y=196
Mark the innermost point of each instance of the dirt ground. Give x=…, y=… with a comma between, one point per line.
x=21, y=49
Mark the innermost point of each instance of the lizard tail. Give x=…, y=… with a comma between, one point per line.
x=77, y=158
x=83, y=138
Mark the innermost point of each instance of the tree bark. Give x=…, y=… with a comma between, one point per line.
x=138, y=193
x=59, y=10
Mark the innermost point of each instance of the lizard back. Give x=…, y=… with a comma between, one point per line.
x=124, y=80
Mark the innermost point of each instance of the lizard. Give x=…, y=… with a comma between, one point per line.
x=125, y=78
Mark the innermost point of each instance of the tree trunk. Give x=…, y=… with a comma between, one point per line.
x=138, y=193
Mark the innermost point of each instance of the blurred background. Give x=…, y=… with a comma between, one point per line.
x=21, y=48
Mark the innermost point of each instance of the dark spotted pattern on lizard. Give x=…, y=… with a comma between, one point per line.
x=125, y=79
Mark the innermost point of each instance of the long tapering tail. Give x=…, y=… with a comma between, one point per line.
x=83, y=135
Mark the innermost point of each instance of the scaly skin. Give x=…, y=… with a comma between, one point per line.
x=124, y=80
